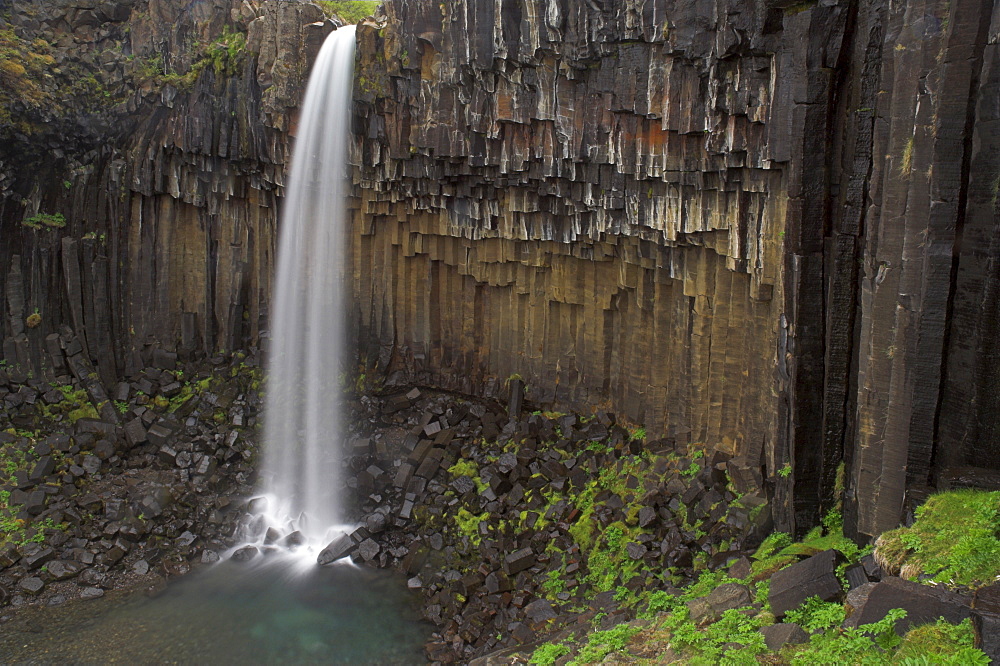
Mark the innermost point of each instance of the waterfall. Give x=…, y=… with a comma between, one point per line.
x=303, y=434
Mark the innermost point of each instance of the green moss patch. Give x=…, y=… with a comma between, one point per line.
x=350, y=11
x=470, y=469
x=954, y=540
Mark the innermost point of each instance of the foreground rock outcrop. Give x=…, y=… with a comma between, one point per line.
x=104, y=491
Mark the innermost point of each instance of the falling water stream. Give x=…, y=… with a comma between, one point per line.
x=303, y=430
x=279, y=608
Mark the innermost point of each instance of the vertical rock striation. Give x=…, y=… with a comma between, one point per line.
x=168, y=188
x=624, y=203
x=769, y=227
x=924, y=289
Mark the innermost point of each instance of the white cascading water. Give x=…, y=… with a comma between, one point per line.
x=303, y=432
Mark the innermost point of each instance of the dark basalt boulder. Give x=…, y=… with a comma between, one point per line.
x=245, y=554
x=814, y=576
x=922, y=603
x=725, y=597
x=337, y=549
x=777, y=636
x=986, y=620
x=32, y=585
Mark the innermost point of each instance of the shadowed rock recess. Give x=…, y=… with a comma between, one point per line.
x=767, y=227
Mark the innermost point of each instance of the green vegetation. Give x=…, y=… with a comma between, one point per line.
x=554, y=584
x=602, y=643
x=74, y=406
x=224, y=56
x=940, y=643
x=45, y=221
x=14, y=529
x=834, y=645
x=815, y=614
x=350, y=11
x=24, y=69
x=608, y=560
x=547, y=654
x=735, y=637
x=954, y=540
x=34, y=319
x=470, y=469
x=468, y=524
x=906, y=164
x=714, y=644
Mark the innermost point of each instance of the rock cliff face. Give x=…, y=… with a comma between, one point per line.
x=766, y=226
x=148, y=218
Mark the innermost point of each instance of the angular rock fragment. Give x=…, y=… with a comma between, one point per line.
x=986, y=620
x=922, y=603
x=63, y=569
x=37, y=557
x=91, y=593
x=245, y=554
x=31, y=585
x=725, y=597
x=518, y=561
x=368, y=550
x=337, y=549
x=814, y=576
x=777, y=636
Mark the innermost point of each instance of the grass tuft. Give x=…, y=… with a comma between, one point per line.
x=954, y=540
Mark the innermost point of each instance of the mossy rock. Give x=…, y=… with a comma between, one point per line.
x=954, y=540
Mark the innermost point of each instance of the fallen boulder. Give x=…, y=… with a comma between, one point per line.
x=813, y=577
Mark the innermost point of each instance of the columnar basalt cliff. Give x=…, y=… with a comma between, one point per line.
x=763, y=226
x=768, y=227
x=142, y=209
x=629, y=198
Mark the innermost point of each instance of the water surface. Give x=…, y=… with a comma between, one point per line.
x=255, y=613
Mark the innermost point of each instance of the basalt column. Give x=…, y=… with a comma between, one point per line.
x=166, y=176
x=623, y=203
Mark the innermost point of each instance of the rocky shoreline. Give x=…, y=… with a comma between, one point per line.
x=515, y=527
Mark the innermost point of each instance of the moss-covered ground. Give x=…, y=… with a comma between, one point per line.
x=664, y=631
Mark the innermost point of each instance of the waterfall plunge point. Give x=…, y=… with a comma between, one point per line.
x=303, y=432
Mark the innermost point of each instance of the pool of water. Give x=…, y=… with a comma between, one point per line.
x=264, y=612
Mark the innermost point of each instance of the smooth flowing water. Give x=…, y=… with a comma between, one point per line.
x=257, y=613
x=303, y=429
x=280, y=607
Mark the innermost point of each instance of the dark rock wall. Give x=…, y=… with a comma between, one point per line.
x=927, y=274
x=171, y=189
x=594, y=197
x=768, y=227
